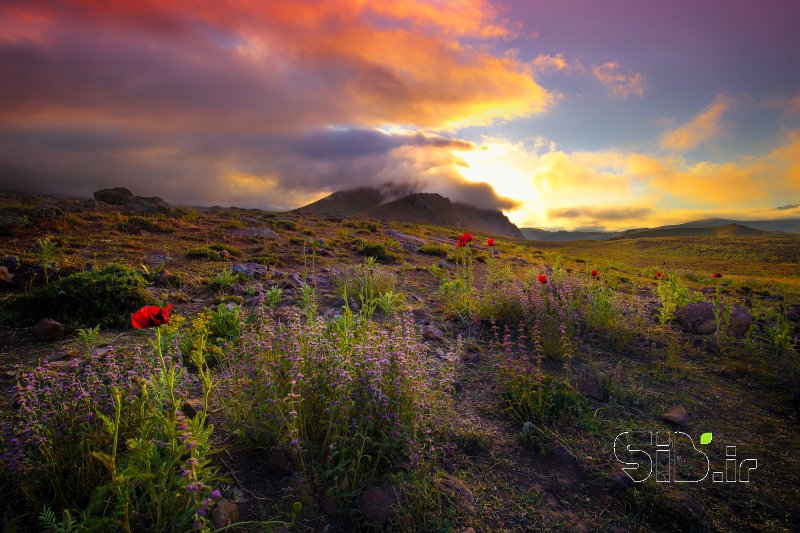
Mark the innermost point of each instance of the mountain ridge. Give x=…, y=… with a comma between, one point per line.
x=417, y=208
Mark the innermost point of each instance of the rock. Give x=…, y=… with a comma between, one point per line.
x=11, y=262
x=156, y=258
x=678, y=416
x=250, y=269
x=378, y=504
x=682, y=506
x=560, y=451
x=698, y=318
x=224, y=514
x=46, y=212
x=148, y=204
x=9, y=223
x=6, y=278
x=620, y=480
x=470, y=356
x=281, y=461
x=591, y=388
x=47, y=329
x=740, y=321
x=252, y=232
x=116, y=196
x=431, y=333
x=456, y=489
x=192, y=407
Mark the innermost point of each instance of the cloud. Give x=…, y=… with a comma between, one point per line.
x=268, y=171
x=788, y=207
x=619, y=84
x=703, y=127
x=221, y=66
x=593, y=216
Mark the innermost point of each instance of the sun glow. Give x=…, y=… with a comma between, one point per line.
x=509, y=168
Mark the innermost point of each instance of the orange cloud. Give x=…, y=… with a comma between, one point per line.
x=222, y=65
x=618, y=83
x=704, y=126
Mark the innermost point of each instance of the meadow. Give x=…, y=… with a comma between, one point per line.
x=235, y=369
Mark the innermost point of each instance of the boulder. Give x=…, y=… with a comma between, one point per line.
x=431, y=333
x=698, y=318
x=47, y=329
x=678, y=416
x=591, y=388
x=456, y=489
x=224, y=514
x=378, y=505
x=148, y=204
x=116, y=196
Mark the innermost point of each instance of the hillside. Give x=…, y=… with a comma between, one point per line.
x=728, y=230
x=305, y=347
x=420, y=208
x=536, y=234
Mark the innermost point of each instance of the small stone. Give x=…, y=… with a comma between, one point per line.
x=678, y=416
x=47, y=329
x=431, y=333
x=250, y=269
x=6, y=278
x=224, y=514
x=192, y=407
x=378, y=504
x=281, y=460
x=620, y=480
x=591, y=388
x=455, y=488
x=698, y=318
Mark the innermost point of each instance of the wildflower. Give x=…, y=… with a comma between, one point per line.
x=595, y=273
x=658, y=274
x=468, y=237
x=716, y=275
x=541, y=278
x=150, y=316
x=490, y=242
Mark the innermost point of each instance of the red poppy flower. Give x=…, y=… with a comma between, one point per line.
x=595, y=273
x=460, y=243
x=468, y=237
x=541, y=278
x=716, y=275
x=150, y=316
x=658, y=274
x=490, y=242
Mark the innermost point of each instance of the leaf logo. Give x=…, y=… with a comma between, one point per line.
x=705, y=438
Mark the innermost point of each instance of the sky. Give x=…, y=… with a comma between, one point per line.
x=565, y=114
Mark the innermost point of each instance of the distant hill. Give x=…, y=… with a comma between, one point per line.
x=727, y=230
x=789, y=225
x=536, y=234
x=713, y=227
x=418, y=208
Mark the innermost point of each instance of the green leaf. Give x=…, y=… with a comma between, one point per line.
x=705, y=438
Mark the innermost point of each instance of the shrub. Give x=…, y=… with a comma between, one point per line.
x=282, y=223
x=104, y=297
x=349, y=403
x=137, y=223
x=224, y=278
x=213, y=252
x=437, y=250
x=106, y=444
x=47, y=255
x=672, y=294
x=379, y=252
x=364, y=281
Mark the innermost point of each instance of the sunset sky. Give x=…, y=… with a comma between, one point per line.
x=577, y=114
